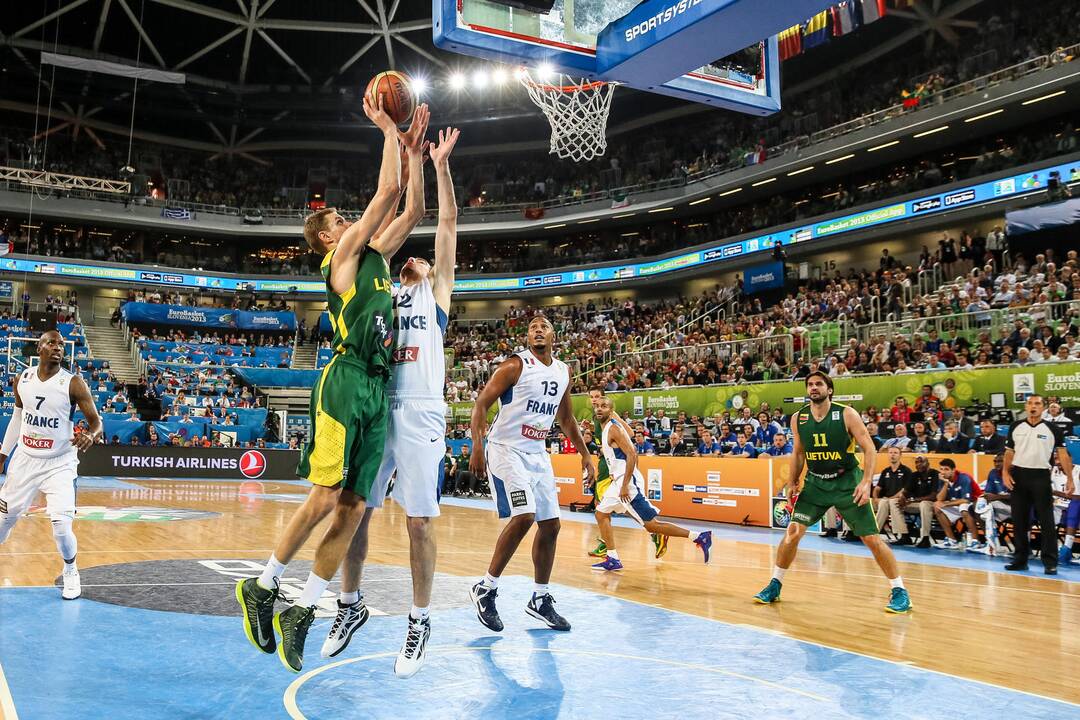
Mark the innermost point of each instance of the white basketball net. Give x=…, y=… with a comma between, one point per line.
x=578, y=113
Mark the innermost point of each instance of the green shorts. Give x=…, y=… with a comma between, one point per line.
x=818, y=496
x=349, y=414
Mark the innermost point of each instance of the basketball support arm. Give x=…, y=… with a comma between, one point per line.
x=11, y=435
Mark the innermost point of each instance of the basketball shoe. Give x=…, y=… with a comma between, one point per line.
x=349, y=619
x=292, y=625
x=542, y=608
x=411, y=657
x=257, y=604
x=483, y=599
x=72, y=585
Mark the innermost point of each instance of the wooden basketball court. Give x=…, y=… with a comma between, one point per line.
x=157, y=631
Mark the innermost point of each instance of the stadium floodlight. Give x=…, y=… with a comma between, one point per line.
x=498, y=76
x=479, y=79
x=545, y=72
x=457, y=81
x=419, y=86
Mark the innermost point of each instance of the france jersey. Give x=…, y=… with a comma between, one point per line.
x=48, y=415
x=527, y=410
x=639, y=506
x=418, y=365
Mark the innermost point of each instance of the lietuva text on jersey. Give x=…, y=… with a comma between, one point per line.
x=824, y=455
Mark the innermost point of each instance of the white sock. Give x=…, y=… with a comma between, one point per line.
x=419, y=613
x=778, y=573
x=271, y=573
x=693, y=536
x=540, y=590
x=896, y=582
x=490, y=581
x=613, y=554
x=1069, y=541
x=313, y=590
x=349, y=598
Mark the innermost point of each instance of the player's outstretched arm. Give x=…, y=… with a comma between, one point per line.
x=857, y=429
x=798, y=457
x=389, y=218
x=14, y=428
x=446, y=232
x=504, y=378
x=569, y=425
x=355, y=239
x=80, y=395
x=394, y=237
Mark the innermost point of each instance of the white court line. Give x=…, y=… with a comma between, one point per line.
x=294, y=710
x=7, y=703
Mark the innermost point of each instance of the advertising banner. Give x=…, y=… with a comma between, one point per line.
x=137, y=312
x=763, y=277
x=206, y=463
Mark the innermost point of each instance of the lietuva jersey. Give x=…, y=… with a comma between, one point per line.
x=829, y=447
x=48, y=413
x=362, y=317
x=418, y=369
x=527, y=410
x=616, y=458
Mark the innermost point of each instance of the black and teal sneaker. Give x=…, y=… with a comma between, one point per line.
x=257, y=604
x=770, y=594
x=292, y=625
x=899, y=601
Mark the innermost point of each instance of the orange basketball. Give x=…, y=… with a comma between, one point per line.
x=397, y=95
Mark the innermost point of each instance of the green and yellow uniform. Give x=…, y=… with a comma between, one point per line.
x=832, y=471
x=349, y=408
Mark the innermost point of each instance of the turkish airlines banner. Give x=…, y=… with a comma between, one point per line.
x=182, y=463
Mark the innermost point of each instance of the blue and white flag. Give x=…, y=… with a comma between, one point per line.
x=177, y=213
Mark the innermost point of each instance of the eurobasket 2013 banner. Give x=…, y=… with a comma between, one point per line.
x=954, y=387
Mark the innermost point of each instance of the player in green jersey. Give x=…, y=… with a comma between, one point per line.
x=349, y=408
x=825, y=434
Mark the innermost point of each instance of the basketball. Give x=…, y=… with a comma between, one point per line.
x=397, y=94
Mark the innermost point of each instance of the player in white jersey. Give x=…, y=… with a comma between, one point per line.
x=532, y=388
x=42, y=430
x=624, y=493
x=416, y=435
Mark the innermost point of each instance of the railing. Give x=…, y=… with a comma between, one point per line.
x=967, y=87
x=723, y=352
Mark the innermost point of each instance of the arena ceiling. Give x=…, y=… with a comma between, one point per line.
x=271, y=75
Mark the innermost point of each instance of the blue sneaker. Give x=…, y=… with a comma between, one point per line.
x=1065, y=555
x=704, y=541
x=899, y=602
x=609, y=563
x=483, y=599
x=770, y=594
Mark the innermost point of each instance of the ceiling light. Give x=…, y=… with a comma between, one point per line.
x=985, y=115
x=419, y=86
x=729, y=192
x=800, y=171
x=660, y=210
x=1044, y=97
x=457, y=81
x=498, y=76
x=764, y=182
x=479, y=79
x=931, y=132
x=702, y=200
x=882, y=147
x=840, y=159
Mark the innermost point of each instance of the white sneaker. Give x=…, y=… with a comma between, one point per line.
x=72, y=585
x=949, y=544
x=350, y=618
x=411, y=657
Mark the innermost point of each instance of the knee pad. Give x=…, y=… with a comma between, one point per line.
x=61, y=525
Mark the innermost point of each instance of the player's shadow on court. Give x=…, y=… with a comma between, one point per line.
x=542, y=700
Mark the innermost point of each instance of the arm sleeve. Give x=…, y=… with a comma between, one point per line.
x=11, y=436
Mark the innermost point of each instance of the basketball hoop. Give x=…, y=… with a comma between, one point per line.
x=578, y=113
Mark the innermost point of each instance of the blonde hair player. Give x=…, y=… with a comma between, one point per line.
x=43, y=430
x=624, y=493
x=416, y=438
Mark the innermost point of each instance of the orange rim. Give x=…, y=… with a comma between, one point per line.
x=527, y=80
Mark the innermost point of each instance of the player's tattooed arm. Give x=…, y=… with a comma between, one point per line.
x=504, y=378
x=446, y=232
x=569, y=425
x=394, y=237
x=355, y=239
x=80, y=395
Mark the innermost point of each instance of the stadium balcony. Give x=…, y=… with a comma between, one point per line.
x=1012, y=90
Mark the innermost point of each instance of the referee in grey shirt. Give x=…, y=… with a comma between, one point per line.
x=1029, y=458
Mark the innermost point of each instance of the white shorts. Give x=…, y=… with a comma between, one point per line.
x=415, y=448
x=522, y=482
x=638, y=508
x=54, y=477
x=953, y=512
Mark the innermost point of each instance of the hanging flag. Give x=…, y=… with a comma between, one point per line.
x=177, y=213
x=816, y=31
x=872, y=10
x=845, y=18
x=790, y=42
